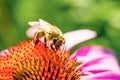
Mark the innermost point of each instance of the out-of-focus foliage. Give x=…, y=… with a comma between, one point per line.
x=102, y=16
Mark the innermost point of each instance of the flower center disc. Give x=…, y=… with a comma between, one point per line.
x=27, y=61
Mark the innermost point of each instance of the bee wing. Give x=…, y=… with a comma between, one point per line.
x=34, y=23
x=57, y=30
x=45, y=25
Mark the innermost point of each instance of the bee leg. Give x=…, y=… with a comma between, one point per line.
x=36, y=41
x=38, y=35
x=53, y=47
x=36, y=38
x=45, y=45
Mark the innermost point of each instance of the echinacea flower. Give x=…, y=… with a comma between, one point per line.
x=95, y=61
x=29, y=61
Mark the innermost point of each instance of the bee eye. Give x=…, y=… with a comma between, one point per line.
x=55, y=39
x=49, y=33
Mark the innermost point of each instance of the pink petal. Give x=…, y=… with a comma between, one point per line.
x=103, y=76
x=97, y=60
x=101, y=64
x=31, y=31
x=96, y=57
x=4, y=52
x=74, y=37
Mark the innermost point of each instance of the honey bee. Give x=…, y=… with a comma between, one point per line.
x=53, y=36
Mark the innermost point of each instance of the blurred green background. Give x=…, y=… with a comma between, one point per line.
x=103, y=16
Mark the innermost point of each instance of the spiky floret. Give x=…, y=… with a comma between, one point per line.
x=27, y=61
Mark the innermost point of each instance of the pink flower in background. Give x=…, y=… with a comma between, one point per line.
x=95, y=62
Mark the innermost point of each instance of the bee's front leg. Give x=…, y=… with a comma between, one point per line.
x=45, y=44
x=52, y=46
x=36, y=37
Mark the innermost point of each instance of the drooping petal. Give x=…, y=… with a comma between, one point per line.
x=74, y=37
x=97, y=61
x=103, y=76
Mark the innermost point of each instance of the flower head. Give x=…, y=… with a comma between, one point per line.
x=28, y=60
